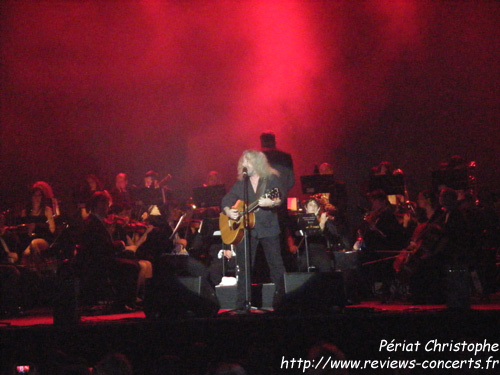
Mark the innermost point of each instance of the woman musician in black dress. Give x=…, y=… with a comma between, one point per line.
x=39, y=220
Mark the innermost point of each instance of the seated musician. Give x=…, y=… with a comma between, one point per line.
x=152, y=198
x=384, y=177
x=8, y=241
x=194, y=241
x=334, y=203
x=214, y=178
x=319, y=238
x=88, y=187
x=457, y=230
x=97, y=261
x=444, y=242
x=132, y=235
x=10, y=298
x=39, y=218
x=122, y=193
x=52, y=201
x=201, y=243
x=381, y=231
x=416, y=266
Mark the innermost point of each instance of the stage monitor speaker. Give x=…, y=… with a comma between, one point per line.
x=193, y=283
x=262, y=296
x=172, y=293
x=457, y=290
x=294, y=280
x=346, y=260
x=312, y=293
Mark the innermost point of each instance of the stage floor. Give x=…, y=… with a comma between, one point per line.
x=263, y=341
x=43, y=316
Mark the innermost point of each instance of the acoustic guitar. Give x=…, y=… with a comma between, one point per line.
x=232, y=231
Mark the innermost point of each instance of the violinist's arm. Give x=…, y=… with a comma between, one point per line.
x=31, y=226
x=322, y=221
x=144, y=236
x=50, y=219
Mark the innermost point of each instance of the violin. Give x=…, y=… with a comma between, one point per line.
x=406, y=208
x=128, y=225
x=371, y=217
x=136, y=227
x=115, y=219
x=21, y=228
x=324, y=202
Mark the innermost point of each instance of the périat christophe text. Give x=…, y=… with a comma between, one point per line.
x=437, y=346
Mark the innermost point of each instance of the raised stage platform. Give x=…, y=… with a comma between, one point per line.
x=266, y=342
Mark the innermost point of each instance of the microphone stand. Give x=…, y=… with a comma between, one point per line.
x=248, y=246
x=246, y=239
x=247, y=308
x=306, y=242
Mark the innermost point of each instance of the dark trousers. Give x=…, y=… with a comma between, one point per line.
x=272, y=251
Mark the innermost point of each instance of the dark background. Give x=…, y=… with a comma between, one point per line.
x=183, y=87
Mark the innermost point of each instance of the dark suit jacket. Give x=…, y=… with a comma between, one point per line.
x=95, y=242
x=266, y=219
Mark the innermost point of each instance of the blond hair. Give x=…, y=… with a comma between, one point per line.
x=259, y=161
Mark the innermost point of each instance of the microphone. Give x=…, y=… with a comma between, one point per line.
x=245, y=172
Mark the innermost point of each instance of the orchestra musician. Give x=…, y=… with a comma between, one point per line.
x=417, y=266
x=443, y=241
x=90, y=186
x=49, y=195
x=122, y=193
x=8, y=241
x=97, y=258
x=130, y=234
x=214, y=178
x=10, y=298
x=381, y=231
x=334, y=202
x=317, y=241
x=152, y=198
x=39, y=218
x=254, y=170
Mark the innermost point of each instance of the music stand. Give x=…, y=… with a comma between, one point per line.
x=457, y=179
x=390, y=184
x=317, y=183
x=308, y=226
x=209, y=196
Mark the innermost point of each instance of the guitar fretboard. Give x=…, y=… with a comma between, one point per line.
x=252, y=206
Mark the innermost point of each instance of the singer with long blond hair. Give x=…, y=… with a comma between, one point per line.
x=255, y=173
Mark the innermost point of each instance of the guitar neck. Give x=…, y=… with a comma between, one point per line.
x=252, y=206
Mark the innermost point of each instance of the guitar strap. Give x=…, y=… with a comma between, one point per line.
x=262, y=188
